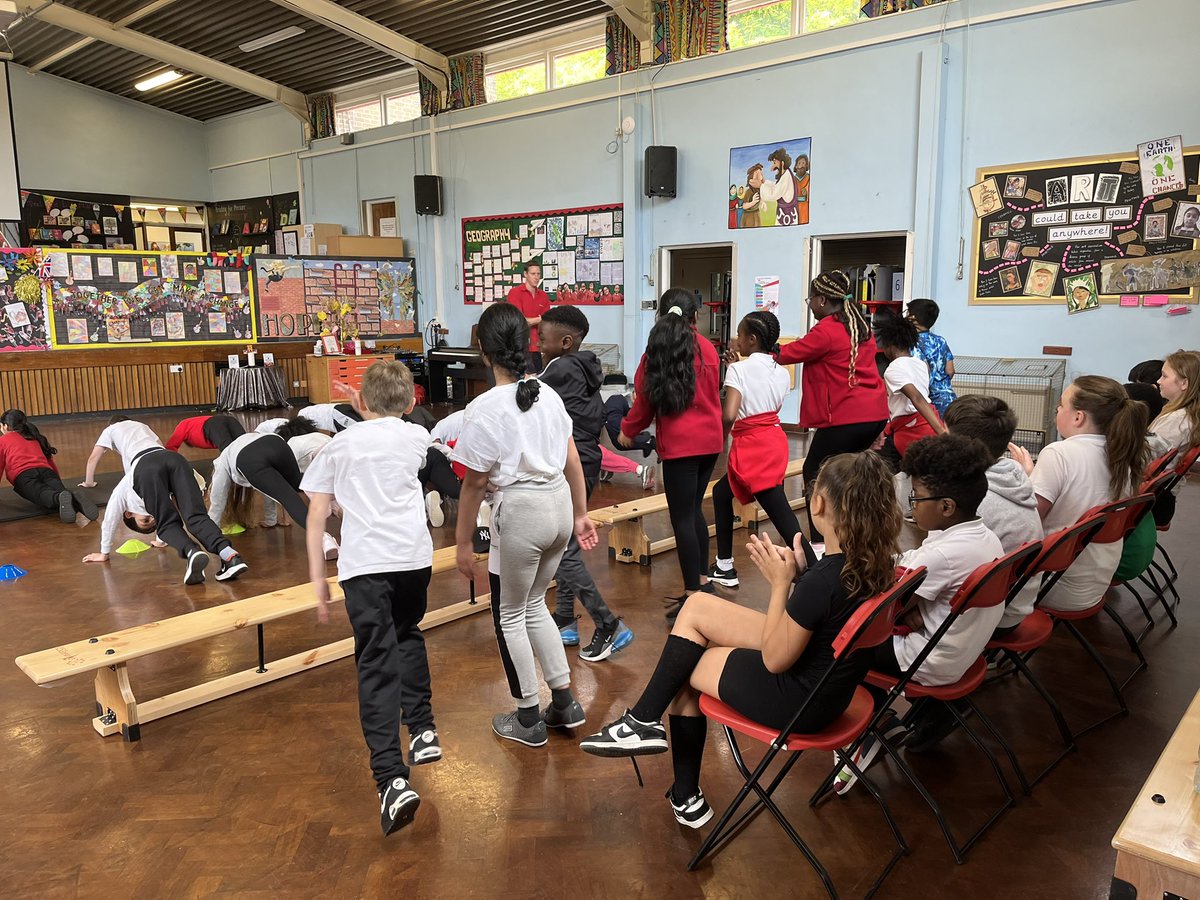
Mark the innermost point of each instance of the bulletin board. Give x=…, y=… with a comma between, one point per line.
x=115, y=298
x=581, y=251
x=1063, y=224
x=23, y=315
x=291, y=293
x=50, y=219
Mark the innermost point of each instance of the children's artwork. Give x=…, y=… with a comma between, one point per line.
x=217, y=323
x=110, y=225
x=1081, y=292
x=1081, y=216
x=1161, y=164
x=127, y=270
x=77, y=331
x=170, y=265
x=497, y=248
x=1014, y=187
x=190, y=271
x=985, y=197
x=23, y=323
x=81, y=267
x=104, y=267
x=212, y=281
x=1010, y=279
x=150, y=266
x=17, y=315
x=770, y=184
x=158, y=327
x=176, y=326
x=1041, y=278
x=118, y=330
x=232, y=282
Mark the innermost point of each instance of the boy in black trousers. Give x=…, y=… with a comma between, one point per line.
x=575, y=376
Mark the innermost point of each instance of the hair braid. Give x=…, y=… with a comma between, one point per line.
x=835, y=287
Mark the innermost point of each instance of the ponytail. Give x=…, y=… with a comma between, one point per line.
x=503, y=337
x=834, y=286
x=1123, y=422
x=671, y=352
x=15, y=420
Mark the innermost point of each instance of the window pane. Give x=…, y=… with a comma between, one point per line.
x=358, y=117
x=758, y=22
x=519, y=82
x=404, y=107
x=822, y=14
x=578, y=67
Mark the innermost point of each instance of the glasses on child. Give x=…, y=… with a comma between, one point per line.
x=913, y=499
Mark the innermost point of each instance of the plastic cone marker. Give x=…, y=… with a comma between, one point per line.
x=11, y=573
x=133, y=548
x=233, y=529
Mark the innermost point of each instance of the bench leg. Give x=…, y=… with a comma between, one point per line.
x=116, y=708
x=627, y=543
x=745, y=516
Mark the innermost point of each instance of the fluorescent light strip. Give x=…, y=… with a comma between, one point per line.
x=157, y=81
x=273, y=38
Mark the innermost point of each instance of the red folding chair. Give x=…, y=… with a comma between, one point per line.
x=870, y=625
x=1183, y=465
x=1158, y=487
x=987, y=586
x=1159, y=464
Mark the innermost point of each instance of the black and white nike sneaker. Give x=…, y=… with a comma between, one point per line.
x=397, y=806
x=196, y=564
x=627, y=737
x=723, y=577
x=424, y=748
x=232, y=568
x=692, y=812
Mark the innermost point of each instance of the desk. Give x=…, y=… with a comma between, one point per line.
x=1158, y=844
x=261, y=387
x=445, y=362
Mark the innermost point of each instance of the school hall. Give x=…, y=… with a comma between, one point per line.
x=599, y=448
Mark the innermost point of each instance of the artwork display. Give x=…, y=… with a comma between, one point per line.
x=299, y=297
x=24, y=317
x=1055, y=222
x=770, y=184
x=582, y=252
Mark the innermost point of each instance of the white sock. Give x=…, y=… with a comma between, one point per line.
x=724, y=565
x=227, y=554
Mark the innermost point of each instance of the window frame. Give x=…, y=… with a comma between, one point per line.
x=414, y=90
x=362, y=102
x=512, y=62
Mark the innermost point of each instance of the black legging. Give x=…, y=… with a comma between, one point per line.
x=271, y=469
x=831, y=441
x=167, y=485
x=437, y=475
x=40, y=486
x=774, y=502
x=685, y=480
x=220, y=430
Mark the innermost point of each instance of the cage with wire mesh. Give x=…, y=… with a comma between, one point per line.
x=608, y=354
x=1031, y=387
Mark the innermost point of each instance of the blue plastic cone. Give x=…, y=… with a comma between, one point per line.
x=11, y=573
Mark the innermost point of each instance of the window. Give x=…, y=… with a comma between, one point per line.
x=822, y=14
x=358, y=116
x=516, y=81
x=758, y=21
x=403, y=107
x=579, y=66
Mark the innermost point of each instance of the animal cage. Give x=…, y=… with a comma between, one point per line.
x=609, y=356
x=1031, y=387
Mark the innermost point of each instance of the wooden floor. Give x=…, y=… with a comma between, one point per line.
x=268, y=793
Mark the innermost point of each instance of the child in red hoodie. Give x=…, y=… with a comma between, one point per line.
x=26, y=460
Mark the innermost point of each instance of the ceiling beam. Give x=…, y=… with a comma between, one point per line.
x=169, y=54
x=70, y=50
x=632, y=13
x=426, y=60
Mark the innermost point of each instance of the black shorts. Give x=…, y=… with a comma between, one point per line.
x=772, y=700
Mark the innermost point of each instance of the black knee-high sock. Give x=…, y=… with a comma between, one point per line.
x=679, y=658
x=687, y=752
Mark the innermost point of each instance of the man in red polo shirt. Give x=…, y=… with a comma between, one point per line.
x=532, y=301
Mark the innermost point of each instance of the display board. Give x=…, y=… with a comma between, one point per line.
x=1082, y=231
x=51, y=219
x=292, y=293
x=581, y=251
x=23, y=315
x=246, y=224
x=116, y=298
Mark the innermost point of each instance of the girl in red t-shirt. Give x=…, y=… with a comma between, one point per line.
x=26, y=461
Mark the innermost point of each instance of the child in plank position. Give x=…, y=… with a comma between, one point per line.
x=766, y=665
x=933, y=350
x=305, y=442
x=159, y=493
x=575, y=375
x=27, y=461
x=755, y=385
x=907, y=379
x=205, y=432
x=370, y=469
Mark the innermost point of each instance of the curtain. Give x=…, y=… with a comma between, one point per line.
x=467, y=87
x=684, y=29
x=622, y=50
x=320, y=116
x=873, y=9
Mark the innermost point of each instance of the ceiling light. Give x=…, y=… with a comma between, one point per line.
x=268, y=39
x=156, y=81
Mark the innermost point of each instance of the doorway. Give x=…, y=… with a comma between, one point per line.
x=709, y=270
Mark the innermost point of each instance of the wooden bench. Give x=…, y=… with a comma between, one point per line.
x=628, y=541
x=107, y=655
x=1158, y=844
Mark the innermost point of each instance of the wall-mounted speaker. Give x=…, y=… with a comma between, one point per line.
x=660, y=171
x=427, y=189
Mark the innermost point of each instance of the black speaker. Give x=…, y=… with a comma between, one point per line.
x=660, y=171
x=428, y=192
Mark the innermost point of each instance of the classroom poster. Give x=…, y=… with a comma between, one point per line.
x=24, y=317
x=770, y=184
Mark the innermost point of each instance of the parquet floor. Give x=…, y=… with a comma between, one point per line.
x=268, y=794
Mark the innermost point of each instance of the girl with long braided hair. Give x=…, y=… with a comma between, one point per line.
x=755, y=388
x=842, y=396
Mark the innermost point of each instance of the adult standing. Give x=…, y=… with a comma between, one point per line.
x=842, y=394
x=532, y=301
x=783, y=189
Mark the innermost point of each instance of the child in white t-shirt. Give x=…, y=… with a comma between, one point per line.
x=1101, y=459
x=386, y=561
x=911, y=413
x=1178, y=425
x=755, y=387
x=124, y=436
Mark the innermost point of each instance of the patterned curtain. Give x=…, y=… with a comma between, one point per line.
x=684, y=29
x=873, y=9
x=622, y=50
x=320, y=116
x=467, y=87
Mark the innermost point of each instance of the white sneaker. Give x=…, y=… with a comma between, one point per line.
x=433, y=509
x=330, y=545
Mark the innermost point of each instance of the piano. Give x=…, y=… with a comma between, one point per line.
x=464, y=364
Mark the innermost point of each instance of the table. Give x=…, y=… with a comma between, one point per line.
x=261, y=387
x=1158, y=844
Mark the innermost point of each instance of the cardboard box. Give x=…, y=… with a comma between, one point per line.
x=311, y=238
x=365, y=245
